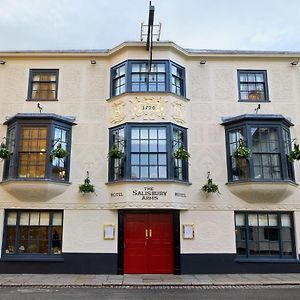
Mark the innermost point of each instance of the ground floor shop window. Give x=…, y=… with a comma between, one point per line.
x=32, y=233
x=269, y=235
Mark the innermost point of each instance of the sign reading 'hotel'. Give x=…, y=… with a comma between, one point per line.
x=148, y=193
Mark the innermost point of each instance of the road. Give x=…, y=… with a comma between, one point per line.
x=157, y=293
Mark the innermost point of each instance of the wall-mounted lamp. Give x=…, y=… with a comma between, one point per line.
x=202, y=62
x=93, y=61
x=294, y=62
x=2, y=62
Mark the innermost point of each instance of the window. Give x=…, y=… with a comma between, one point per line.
x=253, y=85
x=148, y=152
x=118, y=80
x=138, y=76
x=264, y=234
x=31, y=138
x=32, y=232
x=43, y=84
x=146, y=79
x=269, y=141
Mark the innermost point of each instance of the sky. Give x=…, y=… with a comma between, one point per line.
x=103, y=24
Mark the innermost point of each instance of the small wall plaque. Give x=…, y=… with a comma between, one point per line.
x=108, y=232
x=188, y=231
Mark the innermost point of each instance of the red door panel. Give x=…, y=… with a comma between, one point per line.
x=161, y=245
x=148, y=243
x=135, y=250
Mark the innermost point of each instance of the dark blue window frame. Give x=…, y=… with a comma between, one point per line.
x=255, y=95
x=54, y=238
x=32, y=73
x=125, y=162
x=244, y=124
x=12, y=165
x=179, y=77
x=254, y=241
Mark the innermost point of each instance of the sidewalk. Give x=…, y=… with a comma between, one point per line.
x=62, y=280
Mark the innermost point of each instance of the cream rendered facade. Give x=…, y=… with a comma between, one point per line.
x=211, y=96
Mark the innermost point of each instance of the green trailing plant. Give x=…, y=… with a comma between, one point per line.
x=86, y=187
x=210, y=187
x=58, y=152
x=242, y=151
x=115, y=152
x=295, y=154
x=181, y=153
x=4, y=152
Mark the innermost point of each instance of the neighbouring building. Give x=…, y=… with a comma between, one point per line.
x=130, y=124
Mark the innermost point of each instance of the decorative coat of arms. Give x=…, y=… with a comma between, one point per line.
x=117, y=112
x=178, y=112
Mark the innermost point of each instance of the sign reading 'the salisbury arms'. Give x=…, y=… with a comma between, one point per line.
x=148, y=193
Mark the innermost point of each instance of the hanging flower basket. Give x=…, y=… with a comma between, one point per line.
x=242, y=151
x=4, y=152
x=115, y=153
x=295, y=154
x=59, y=152
x=86, y=187
x=181, y=153
x=210, y=187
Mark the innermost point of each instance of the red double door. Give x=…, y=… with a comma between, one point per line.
x=148, y=243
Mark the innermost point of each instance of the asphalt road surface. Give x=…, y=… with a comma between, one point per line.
x=157, y=293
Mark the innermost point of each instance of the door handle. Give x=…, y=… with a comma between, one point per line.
x=150, y=232
x=146, y=233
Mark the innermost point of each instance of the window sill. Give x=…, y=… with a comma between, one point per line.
x=262, y=191
x=33, y=258
x=149, y=181
x=255, y=101
x=151, y=93
x=36, y=100
x=34, y=189
x=268, y=260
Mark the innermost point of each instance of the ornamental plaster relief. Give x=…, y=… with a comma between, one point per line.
x=147, y=108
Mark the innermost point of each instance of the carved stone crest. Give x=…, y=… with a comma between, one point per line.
x=178, y=112
x=117, y=112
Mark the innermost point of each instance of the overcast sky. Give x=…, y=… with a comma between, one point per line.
x=102, y=24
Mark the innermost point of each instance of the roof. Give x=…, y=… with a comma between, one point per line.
x=169, y=44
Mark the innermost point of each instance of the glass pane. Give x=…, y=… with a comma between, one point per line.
x=144, y=133
x=162, y=172
x=34, y=218
x=263, y=220
x=12, y=218
x=285, y=220
x=162, y=159
x=144, y=159
x=162, y=146
x=57, y=219
x=24, y=218
x=243, y=78
x=153, y=172
x=273, y=220
x=135, y=146
x=135, y=133
x=144, y=145
x=44, y=219
x=259, y=77
x=153, y=133
x=153, y=146
x=135, y=172
x=135, y=159
x=161, y=133
x=252, y=219
x=153, y=159
x=144, y=172
x=240, y=220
